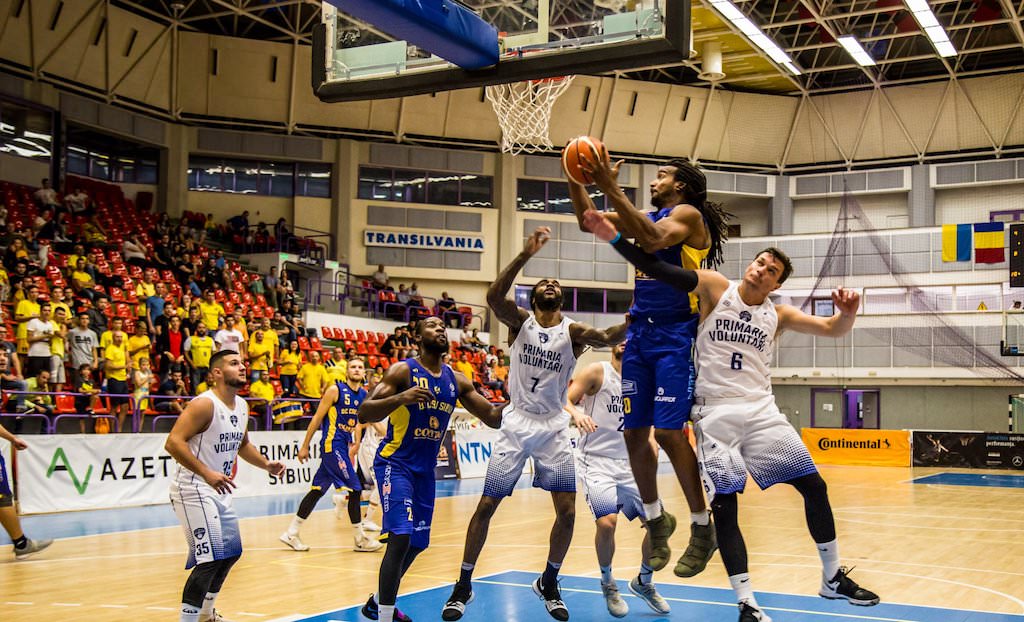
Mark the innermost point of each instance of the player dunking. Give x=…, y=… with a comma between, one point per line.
x=739, y=427
x=602, y=467
x=419, y=395
x=205, y=441
x=544, y=348
x=657, y=371
x=337, y=419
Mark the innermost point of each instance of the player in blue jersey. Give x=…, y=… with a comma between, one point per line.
x=685, y=230
x=419, y=394
x=337, y=419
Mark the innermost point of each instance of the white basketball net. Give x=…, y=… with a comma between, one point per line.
x=524, y=112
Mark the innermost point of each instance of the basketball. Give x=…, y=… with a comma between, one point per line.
x=571, y=159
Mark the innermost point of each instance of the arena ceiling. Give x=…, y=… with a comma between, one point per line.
x=987, y=34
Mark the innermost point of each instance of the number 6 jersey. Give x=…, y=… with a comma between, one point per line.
x=542, y=362
x=734, y=348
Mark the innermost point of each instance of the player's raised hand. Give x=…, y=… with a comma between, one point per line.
x=537, y=240
x=220, y=482
x=596, y=223
x=415, y=394
x=276, y=468
x=599, y=167
x=847, y=301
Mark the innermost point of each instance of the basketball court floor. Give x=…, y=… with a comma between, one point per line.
x=937, y=545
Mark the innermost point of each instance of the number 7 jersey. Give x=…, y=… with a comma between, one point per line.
x=542, y=362
x=734, y=348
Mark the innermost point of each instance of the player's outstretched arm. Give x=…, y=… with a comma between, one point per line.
x=846, y=302
x=507, y=311
x=477, y=404
x=581, y=201
x=195, y=419
x=586, y=334
x=392, y=392
x=248, y=452
x=329, y=398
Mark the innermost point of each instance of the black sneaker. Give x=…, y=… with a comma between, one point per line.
x=752, y=614
x=371, y=612
x=842, y=586
x=552, y=600
x=461, y=596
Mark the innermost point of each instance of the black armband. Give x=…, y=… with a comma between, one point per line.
x=674, y=276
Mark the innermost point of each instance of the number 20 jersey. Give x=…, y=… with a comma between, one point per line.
x=542, y=362
x=734, y=348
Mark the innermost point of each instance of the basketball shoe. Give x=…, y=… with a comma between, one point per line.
x=649, y=594
x=366, y=544
x=461, y=596
x=552, y=599
x=372, y=612
x=698, y=552
x=31, y=548
x=752, y=614
x=616, y=606
x=842, y=586
x=660, y=529
x=293, y=541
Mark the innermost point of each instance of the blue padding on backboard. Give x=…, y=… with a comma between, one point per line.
x=442, y=27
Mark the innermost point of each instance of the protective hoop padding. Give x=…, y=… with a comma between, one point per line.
x=524, y=112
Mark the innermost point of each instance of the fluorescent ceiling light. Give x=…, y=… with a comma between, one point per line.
x=931, y=27
x=754, y=34
x=859, y=54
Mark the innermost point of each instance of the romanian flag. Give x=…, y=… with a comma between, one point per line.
x=989, y=242
x=956, y=242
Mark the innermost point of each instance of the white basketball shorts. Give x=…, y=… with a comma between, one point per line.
x=737, y=437
x=209, y=522
x=608, y=485
x=522, y=437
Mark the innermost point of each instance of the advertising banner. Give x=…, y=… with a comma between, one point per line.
x=473, y=442
x=858, y=447
x=85, y=472
x=978, y=450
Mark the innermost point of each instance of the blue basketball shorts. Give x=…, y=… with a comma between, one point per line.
x=6, y=496
x=658, y=375
x=336, y=470
x=407, y=501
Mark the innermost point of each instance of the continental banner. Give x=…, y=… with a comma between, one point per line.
x=86, y=472
x=858, y=447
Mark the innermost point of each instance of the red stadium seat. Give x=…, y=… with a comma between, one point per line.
x=361, y=348
x=314, y=343
x=360, y=335
x=303, y=343
x=350, y=335
x=327, y=332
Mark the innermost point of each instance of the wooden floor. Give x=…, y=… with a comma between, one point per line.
x=955, y=547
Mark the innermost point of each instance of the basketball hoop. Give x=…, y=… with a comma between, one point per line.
x=524, y=112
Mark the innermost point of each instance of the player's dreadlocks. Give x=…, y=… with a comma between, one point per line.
x=716, y=219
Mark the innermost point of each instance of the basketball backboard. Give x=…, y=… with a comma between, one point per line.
x=357, y=60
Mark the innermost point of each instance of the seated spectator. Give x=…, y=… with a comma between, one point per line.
x=470, y=340
x=239, y=225
x=379, y=279
x=261, y=392
x=36, y=401
x=134, y=252
x=500, y=370
x=172, y=387
x=415, y=298
x=337, y=365
x=93, y=232
x=46, y=196
x=312, y=377
x=285, y=330
x=82, y=282
x=78, y=203
x=282, y=234
x=392, y=347
x=491, y=379
x=375, y=377
x=212, y=277
x=288, y=368
x=10, y=378
x=403, y=296
x=206, y=384
x=15, y=252
x=447, y=311
x=85, y=385
x=464, y=367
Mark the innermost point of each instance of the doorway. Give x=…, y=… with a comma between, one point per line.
x=846, y=408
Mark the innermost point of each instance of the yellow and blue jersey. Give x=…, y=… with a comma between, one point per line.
x=339, y=425
x=656, y=300
x=415, y=431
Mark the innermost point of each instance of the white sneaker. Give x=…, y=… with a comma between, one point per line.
x=367, y=545
x=616, y=606
x=340, y=502
x=33, y=547
x=369, y=525
x=648, y=594
x=293, y=541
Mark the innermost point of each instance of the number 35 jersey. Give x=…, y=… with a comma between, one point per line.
x=542, y=362
x=734, y=348
x=217, y=446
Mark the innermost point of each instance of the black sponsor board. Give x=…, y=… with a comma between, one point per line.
x=447, y=458
x=977, y=450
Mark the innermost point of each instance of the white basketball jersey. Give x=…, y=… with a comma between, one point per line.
x=734, y=348
x=605, y=408
x=217, y=446
x=542, y=361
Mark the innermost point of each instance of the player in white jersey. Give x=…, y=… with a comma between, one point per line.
x=739, y=427
x=604, y=474
x=369, y=443
x=205, y=441
x=544, y=348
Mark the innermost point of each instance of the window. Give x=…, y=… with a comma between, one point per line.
x=824, y=307
x=584, y=299
x=534, y=195
x=276, y=179
x=25, y=131
x=429, y=187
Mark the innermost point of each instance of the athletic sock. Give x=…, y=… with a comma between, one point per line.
x=466, y=573
x=21, y=542
x=652, y=510
x=701, y=518
x=829, y=553
x=646, y=574
x=189, y=613
x=606, y=574
x=208, y=601
x=385, y=613
x=293, y=529
x=743, y=588
x=550, y=576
